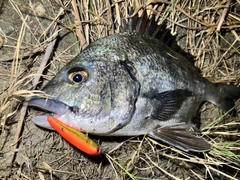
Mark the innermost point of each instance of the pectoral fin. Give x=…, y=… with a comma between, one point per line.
x=166, y=104
x=183, y=136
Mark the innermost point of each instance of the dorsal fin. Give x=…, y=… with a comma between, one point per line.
x=149, y=27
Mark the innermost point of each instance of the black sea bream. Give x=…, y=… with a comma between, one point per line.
x=133, y=83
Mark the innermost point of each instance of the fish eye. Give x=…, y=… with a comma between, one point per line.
x=77, y=75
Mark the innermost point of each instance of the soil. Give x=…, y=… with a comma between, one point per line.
x=43, y=154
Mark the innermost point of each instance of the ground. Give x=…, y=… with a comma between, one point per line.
x=208, y=30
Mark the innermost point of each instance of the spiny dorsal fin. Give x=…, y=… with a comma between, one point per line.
x=149, y=27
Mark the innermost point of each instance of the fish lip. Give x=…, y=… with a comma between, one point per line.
x=42, y=121
x=55, y=107
x=51, y=105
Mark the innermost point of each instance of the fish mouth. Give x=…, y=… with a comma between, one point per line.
x=55, y=107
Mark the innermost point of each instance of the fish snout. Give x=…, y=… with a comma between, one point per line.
x=50, y=105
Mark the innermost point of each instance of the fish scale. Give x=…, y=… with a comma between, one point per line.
x=139, y=82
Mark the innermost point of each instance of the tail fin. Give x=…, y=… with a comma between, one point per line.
x=227, y=96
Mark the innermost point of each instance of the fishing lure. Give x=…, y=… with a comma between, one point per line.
x=76, y=138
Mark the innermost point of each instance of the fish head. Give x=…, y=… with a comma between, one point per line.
x=93, y=93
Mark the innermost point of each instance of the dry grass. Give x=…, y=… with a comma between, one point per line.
x=207, y=29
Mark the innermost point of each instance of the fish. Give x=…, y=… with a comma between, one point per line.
x=132, y=83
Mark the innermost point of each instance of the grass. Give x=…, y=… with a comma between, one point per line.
x=204, y=29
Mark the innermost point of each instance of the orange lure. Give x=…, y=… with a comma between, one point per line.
x=76, y=138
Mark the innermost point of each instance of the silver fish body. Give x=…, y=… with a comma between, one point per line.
x=131, y=84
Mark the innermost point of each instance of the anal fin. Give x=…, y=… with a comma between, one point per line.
x=183, y=136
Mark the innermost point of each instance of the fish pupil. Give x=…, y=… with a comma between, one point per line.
x=77, y=78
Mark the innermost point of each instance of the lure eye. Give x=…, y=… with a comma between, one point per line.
x=77, y=75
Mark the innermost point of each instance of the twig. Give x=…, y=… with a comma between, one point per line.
x=222, y=173
x=120, y=166
x=46, y=56
x=25, y=54
x=224, y=13
x=164, y=171
x=23, y=111
x=180, y=9
x=78, y=24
